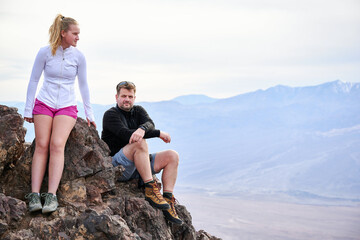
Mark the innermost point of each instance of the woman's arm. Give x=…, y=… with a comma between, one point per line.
x=84, y=90
x=36, y=72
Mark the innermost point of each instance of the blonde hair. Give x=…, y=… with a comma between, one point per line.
x=60, y=23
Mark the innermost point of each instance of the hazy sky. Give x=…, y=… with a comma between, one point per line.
x=220, y=48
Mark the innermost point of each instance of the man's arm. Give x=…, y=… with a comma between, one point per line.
x=114, y=125
x=148, y=128
x=146, y=124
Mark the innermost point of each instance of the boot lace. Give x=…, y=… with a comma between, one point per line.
x=172, y=202
x=48, y=197
x=156, y=191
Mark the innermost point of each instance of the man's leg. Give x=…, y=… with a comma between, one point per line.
x=168, y=161
x=139, y=154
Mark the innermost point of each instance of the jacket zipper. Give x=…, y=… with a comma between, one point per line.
x=61, y=74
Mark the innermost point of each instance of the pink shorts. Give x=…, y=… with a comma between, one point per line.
x=43, y=109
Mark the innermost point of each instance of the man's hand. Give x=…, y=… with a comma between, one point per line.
x=137, y=135
x=165, y=137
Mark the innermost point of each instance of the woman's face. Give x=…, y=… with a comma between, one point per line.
x=70, y=37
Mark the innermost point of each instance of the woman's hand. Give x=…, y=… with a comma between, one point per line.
x=89, y=123
x=30, y=120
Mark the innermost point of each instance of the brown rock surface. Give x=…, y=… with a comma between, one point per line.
x=12, y=136
x=93, y=205
x=12, y=210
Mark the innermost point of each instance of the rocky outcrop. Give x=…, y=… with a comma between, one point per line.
x=12, y=210
x=12, y=137
x=93, y=205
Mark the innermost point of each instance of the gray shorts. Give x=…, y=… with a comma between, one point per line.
x=130, y=170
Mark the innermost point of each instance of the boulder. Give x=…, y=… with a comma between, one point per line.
x=202, y=235
x=12, y=137
x=12, y=211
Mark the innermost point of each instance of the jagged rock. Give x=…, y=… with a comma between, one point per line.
x=12, y=210
x=16, y=181
x=93, y=205
x=202, y=235
x=103, y=226
x=12, y=136
x=21, y=234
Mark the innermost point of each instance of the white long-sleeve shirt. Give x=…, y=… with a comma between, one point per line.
x=60, y=71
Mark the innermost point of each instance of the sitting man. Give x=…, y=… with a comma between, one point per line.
x=125, y=128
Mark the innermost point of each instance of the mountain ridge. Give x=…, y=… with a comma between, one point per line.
x=192, y=99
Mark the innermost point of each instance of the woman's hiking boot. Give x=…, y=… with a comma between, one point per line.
x=34, y=201
x=154, y=197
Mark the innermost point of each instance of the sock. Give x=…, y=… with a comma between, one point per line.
x=167, y=195
x=148, y=182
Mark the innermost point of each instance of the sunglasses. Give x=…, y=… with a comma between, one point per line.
x=124, y=83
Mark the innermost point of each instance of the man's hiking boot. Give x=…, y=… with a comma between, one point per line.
x=171, y=214
x=50, y=204
x=34, y=202
x=154, y=197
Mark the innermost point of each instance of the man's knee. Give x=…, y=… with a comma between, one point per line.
x=130, y=150
x=173, y=156
x=141, y=145
x=138, y=146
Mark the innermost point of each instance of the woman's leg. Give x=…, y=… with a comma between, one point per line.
x=62, y=126
x=42, y=125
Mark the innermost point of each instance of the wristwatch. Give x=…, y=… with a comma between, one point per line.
x=143, y=128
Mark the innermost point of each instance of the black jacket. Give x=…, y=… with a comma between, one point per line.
x=119, y=125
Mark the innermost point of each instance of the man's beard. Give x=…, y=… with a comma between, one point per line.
x=122, y=107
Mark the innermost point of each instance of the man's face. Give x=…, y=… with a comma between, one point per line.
x=125, y=99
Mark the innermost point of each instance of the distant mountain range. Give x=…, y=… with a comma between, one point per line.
x=194, y=99
x=298, y=141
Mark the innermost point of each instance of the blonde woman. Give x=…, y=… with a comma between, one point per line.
x=54, y=110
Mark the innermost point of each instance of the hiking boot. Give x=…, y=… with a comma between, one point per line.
x=171, y=214
x=34, y=202
x=154, y=197
x=50, y=204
